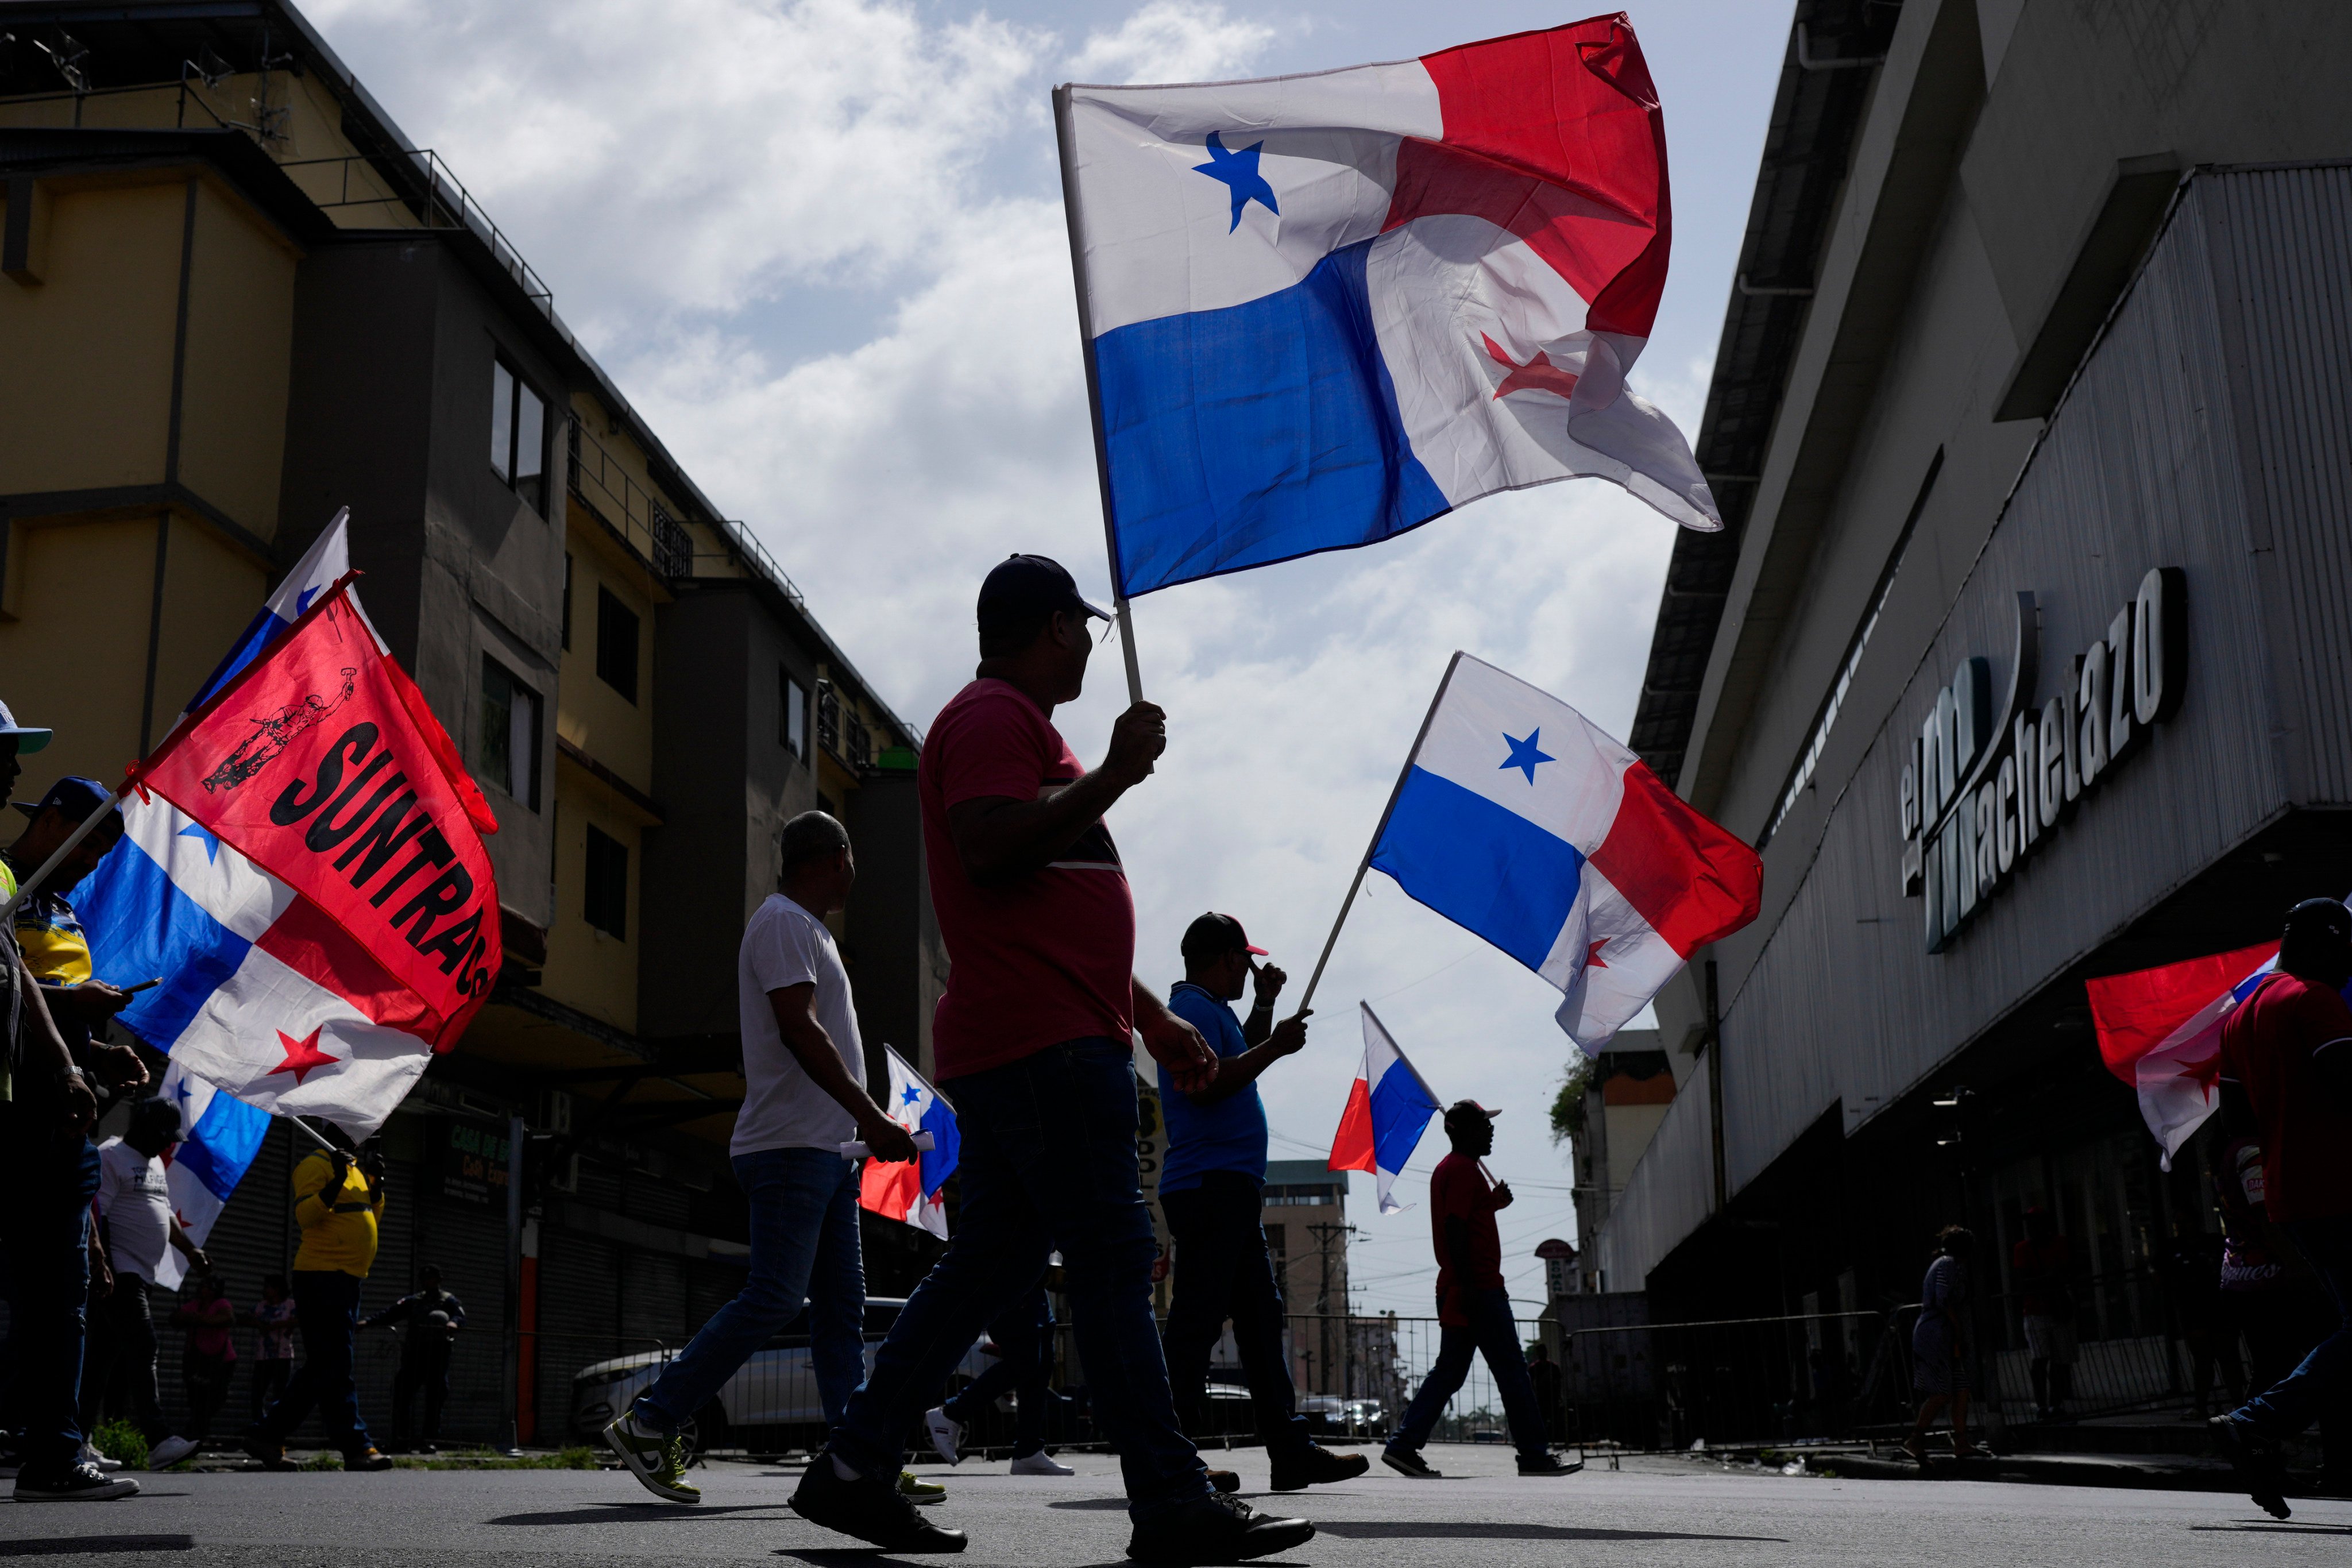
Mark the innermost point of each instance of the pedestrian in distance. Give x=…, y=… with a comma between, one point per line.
x=134, y=1210
x=2040, y=1263
x=431, y=1316
x=2288, y=1049
x=1210, y=1186
x=273, y=1319
x=1940, y=1343
x=339, y=1204
x=1023, y=1340
x=1473, y=1310
x=1544, y=1373
x=49, y=1171
x=804, y=1097
x=1033, y=1041
x=208, y=1359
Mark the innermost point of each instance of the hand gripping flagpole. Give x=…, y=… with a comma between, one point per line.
x=1365, y=863
x=1068, y=141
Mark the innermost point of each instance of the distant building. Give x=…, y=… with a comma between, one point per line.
x=1626, y=1092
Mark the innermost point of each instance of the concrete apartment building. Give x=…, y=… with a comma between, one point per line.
x=2022, y=657
x=237, y=299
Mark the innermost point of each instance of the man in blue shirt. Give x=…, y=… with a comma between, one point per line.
x=1210, y=1190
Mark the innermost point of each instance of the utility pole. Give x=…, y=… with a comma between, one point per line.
x=1325, y=1235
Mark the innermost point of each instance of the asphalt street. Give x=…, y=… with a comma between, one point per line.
x=1654, y=1512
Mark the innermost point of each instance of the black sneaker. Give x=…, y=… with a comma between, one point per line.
x=82, y=1483
x=871, y=1508
x=1316, y=1465
x=272, y=1456
x=366, y=1460
x=1225, y=1481
x=1217, y=1529
x=2257, y=1465
x=1409, y=1462
x=1547, y=1465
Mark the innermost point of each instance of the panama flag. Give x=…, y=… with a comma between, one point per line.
x=1387, y=1111
x=1322, y=309
x=908, y=1190
x=325, y=563
x=219, y=1136
x=302, y=861
x=1518, y=819
x=2161, y=1031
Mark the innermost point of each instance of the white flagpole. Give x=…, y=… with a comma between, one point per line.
x=1066, y=140
x=25, y=888
x=1365, y=864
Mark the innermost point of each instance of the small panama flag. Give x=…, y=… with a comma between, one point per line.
x=1389, y=1107
x=908, y=1190
x=2160, y=1032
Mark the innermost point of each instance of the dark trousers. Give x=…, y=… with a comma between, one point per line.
x=269, y=1379
x=204, y=1379
x=1492, y=1333
x=1023, y=1339
x=327, y=1302
x=1223, y=1272
x=1049, y=1162
x=48, y=1180
x=2318, y=1385
x=424, y=1368
x=119, y=1370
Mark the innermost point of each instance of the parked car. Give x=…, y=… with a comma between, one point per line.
x=771, y=1399
x=1329, y=1416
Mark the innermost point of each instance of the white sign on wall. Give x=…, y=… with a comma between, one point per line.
x=1983, y=787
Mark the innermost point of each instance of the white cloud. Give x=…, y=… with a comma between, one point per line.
x=680, y=173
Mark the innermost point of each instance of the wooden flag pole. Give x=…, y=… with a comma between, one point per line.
x=1066, y=140
x=1365, y=864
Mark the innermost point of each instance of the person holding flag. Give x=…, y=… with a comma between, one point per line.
x=50, y=935
x=1210, y=1189
x=804, y=1097
x=1474, y=1310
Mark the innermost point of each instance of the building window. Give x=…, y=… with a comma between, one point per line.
x=511, y=728
x=616, y=644
x=795, y=729
x=567, y=601
x=607, y=906
x=518, y=435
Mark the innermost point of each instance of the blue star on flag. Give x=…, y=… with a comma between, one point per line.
x=1524, y=754
x=909, y=1095
x=211, y=841
x=1238, y=171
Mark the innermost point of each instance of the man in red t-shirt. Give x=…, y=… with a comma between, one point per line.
x=2288, y=1048
x=1033, y=1046
x=1474, y=1310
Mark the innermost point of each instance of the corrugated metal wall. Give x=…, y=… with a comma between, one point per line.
x=2207, y=431
x=1669, y=1193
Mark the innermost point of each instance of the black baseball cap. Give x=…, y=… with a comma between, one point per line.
x=1213, y=935
x=77, y=797
x=1467, y=1113
x=2315, y=915
x=1024, y=587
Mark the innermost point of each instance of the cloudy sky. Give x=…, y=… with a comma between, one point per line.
x=821, y=247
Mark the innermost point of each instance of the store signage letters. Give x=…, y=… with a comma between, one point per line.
x=1982, y=788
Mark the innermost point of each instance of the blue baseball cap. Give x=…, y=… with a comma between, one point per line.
x=27, y=741
x=77, y=797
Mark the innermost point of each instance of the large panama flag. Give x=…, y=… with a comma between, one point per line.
x=1388, y=1108
x=307, y=846
x=2161, y=1031
x=1520, y=819
x=908, y=1190
x=1322, y=309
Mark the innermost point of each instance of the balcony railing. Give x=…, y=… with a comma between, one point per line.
x=633, y=514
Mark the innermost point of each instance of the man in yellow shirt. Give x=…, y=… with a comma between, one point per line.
x=338, y=1201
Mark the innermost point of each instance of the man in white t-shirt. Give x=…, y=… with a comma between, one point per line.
x=804, y=1097
x=135, y=1208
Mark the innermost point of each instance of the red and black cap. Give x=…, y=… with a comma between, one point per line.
x=1214, y=935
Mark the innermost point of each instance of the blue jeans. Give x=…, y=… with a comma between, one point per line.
x=327, y=1305
x=804, y=1247
x=2319, y=1384
x=1493, y=1334
x=1223, y=1271
x=49, y=1180
x=1049, y=1162
x=1023, y=1338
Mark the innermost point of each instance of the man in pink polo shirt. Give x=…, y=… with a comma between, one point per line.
x=1033, y=1046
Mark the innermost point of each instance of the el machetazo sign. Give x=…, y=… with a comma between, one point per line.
x=1983, y=787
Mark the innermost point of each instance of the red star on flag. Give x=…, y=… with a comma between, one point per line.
x=1592, y=959
x=303, y=1055
x=1538, y=375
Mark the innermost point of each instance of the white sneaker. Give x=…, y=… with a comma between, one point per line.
x=170, y=1452
x=1040, y=1463
x=91, y=1456
x=947, y=1437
